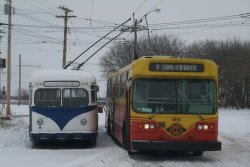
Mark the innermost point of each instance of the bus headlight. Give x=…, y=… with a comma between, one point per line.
x=39, y=122
x=83, y=121
x=146, y=126
x=205, y=127
x=200, y=127
x=149, y=126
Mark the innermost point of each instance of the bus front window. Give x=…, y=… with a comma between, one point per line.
x=47, y=98
x=74, y=97
x=183, y=96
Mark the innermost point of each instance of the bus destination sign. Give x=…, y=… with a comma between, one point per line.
x=175, y=67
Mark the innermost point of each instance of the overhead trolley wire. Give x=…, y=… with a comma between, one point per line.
x=122, y=31
x=97, y=21
x=36, y=35
x=198, y=20
x=37, y=20
x=67, y=65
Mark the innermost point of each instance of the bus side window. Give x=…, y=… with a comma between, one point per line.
x=117, y=87
x=93, y=93
x=108, y=88
x=122, y=84
x=112, y=87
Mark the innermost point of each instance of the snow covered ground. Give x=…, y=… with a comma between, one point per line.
x=16, y=149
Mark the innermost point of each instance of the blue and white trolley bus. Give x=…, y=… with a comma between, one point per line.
x=63, y=106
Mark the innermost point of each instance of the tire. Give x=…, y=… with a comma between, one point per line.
x=108, y=127
x=130, y=152
x=93, y=142
x=124, y=137
x=198, y=153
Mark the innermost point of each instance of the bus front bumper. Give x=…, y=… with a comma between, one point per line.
x=144, y=145
x=36, y=137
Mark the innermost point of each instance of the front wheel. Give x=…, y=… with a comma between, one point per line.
x=124, y=137
x=93, y=141
x=108, y=127
x=130, y=152
x=198, y=153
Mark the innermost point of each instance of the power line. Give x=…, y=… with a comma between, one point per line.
x=140, y=6
x=36, y=35
x=33, y=11
x=37, y=20
x=155, y=5
x=98, y=21
x=31, y=4
x=199, y=20
x=42, y=3
x=50, y=3
x=124, y=30
x=61, y=27
x=65, y=67
x=203, y=26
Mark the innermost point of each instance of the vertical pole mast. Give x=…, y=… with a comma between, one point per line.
x=65, y=17
x=65, y=37
x=9, y=60
x=19, y=89
x=135, y=40
x=149, y=42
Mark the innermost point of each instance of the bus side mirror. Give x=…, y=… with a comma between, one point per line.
x=100, y=109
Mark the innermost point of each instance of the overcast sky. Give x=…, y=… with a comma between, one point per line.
x=38, y=34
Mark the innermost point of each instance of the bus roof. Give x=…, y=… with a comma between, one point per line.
x=62, y=75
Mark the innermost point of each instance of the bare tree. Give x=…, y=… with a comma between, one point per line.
x=233, y=58
x=24, y=96
x=120, y=55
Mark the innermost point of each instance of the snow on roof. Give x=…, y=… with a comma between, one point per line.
x=62, y=75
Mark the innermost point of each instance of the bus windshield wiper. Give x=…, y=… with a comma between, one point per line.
x=158, y=108
x=185, y=97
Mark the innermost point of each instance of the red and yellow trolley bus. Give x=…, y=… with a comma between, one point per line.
x=163, y=103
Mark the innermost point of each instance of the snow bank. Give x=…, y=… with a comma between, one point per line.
x=14, y=134
x=234, y=123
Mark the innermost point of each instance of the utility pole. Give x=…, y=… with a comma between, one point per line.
x=20, y=76
x=19, y=90
x=134, y=29
x=9, y=60
x=66, y=10
x=135, y=40
x=149, y=42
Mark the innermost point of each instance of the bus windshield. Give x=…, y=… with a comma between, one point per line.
x=71, y=97
x=180, y=96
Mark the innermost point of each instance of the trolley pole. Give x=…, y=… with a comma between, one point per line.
x=9, y=61
x=65, y=17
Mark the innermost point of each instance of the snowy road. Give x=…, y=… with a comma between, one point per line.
x=16, y=149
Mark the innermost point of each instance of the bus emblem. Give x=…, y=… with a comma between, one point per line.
x=176, y=130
